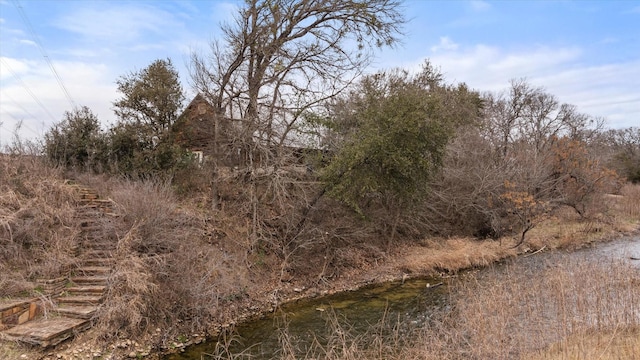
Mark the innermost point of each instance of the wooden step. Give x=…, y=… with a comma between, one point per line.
x=93, y=270
x=90, y=280
x=91, y=229
x=86, y=289
x=97, y=224
x=98, y=254
x=18, y=311
x=87, y=214
x=93, y=220
x=98, y=262
x=97, y=249
x=94, y=206
x=95, y=201
x=80, y=300
x=45, y=332
x=77, y=311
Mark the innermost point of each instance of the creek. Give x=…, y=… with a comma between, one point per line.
x=403, y=304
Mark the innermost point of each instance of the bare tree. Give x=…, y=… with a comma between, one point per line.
x=528, y=157
x=276, y=63
x=527, y=114
x=620, y=149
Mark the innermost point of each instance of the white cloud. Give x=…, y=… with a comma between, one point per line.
x=90, y=84
x=611, y=91
x=10, y=66
x=479, y=5
x=445, y=44
x=533, y=62
x=490, y=68
x=28, y=42
x=121, y=24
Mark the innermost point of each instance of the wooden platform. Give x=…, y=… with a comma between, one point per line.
x=45, y=332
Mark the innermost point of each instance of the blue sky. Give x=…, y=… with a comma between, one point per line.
x=587, y=53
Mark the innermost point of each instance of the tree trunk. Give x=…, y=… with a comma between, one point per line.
x=396, y=220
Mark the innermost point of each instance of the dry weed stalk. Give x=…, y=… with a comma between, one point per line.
x=519, y=310
x=37, y=231
x=630, y=202
x=166, y=274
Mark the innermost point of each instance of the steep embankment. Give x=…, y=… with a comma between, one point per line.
x=178, y=274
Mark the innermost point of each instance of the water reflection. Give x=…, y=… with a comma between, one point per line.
x=407, y=303
x=627, y=249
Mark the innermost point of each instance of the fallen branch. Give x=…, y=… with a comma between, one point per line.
x=535, y=252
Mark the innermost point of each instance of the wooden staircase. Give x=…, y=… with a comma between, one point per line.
x=74, y=308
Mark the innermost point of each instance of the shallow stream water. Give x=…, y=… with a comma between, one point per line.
x=311, y=320
x=407, y=303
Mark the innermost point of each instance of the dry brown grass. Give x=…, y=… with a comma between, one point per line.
x=521, y=310
x=566, y=308
x=617, y=344
x=628, y=206
x=455, y=254
x=37, y=230
x=11, y=351
x=167, y=274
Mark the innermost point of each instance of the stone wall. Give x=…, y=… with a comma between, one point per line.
x=18, y=312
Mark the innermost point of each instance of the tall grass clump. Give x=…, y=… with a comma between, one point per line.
x=523, y=311
x=37, y=230
x=386, y=339
x=630, y=203
x=166, y=274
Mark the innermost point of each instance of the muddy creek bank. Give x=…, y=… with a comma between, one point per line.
x=402, y=304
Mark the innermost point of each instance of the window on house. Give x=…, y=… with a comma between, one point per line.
x=198, y=156
x=202, y=109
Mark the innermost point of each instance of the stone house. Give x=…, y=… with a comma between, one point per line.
x=195, y=130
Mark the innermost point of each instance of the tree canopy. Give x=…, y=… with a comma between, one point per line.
x=390, y=135
x=151, y=97
x=76, y=141
x=151, y=102
x=279, y=58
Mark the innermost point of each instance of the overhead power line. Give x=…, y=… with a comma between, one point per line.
x=21, y=124
x=36, y=39
x=35, y=98
x=17, y=104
